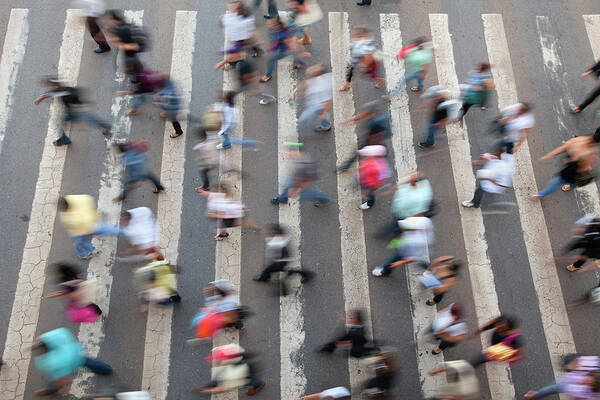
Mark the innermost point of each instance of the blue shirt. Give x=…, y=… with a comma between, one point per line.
x=64, y=357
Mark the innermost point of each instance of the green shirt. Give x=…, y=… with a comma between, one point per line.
x=64, y=357
x=410, y=200
x=417, y=59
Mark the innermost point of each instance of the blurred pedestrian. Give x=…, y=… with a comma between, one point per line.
x=587, y=240
x=515, y=122
x=362, y=56
x=479, y=85
x=145, y=85
x=301, y=181
x=58, y=356
x=581, y=158
x=120, y=394
x=352, y=337
x=135, y=170
x=335, y=393
x=595, y=70
x=231, y=369
x=373, y=172
x=230, y=117
x=141, y=230
x=317, y=91
x=440, y=116
x=131, y=38
x=74, y=108
x=506, y=343
x=169, y=101
x=156, y=282
x=92, y=10
x=580, y=381
x=444, y=270
x=207, y=157
x=413, y=197
x=412, y=245
x=281, y=43
x=80, y=294
x=494, y=177
x=418, y=57
x=271, y=8
x=277, y=255
x=226, y=211
x=450, y=327
x=304, y=13
x=81, y=219
x=462, y=381
x=240, y=31
x=383, y=366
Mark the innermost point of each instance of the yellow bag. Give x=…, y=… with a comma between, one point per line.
x=500, y=352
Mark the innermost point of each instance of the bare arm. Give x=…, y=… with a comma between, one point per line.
x=555, y=152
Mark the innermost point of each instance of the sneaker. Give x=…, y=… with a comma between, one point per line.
x=107, y=133
x=221, y=147
x=468, y=204
x=100, y=49
x=61, y=142
x=252, y=391
x=424, y=145
x=378, y=271
x=365, y=206
x=90, y=255
x=321, y=130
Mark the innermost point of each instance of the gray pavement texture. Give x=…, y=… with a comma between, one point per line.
x=321, y=252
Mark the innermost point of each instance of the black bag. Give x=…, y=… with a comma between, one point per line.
x=496, y=127
x=139, y=36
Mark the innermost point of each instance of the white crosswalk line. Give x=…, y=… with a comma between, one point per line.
x=100, y=267
x=553, y=312
x=32, y=273
x=405, y=163
x=352, y=232
x=291, y=317
x=15, y=43
x=157, y=352
x=228, y=252
x=480, y=271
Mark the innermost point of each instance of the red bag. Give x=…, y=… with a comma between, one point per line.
x=141, y=146
x=372, y=172
x=402, y=54
x=210, y=325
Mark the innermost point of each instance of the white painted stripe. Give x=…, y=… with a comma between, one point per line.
x=405, y=163
x=100, y=266
x=352, y=232
x=554, y=315
x=291, y=318
x=32, y=273
x=155, y=377
x=15, y=43
x=228, y=252
x=480, y=271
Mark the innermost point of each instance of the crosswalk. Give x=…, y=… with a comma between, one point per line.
x=296, y=363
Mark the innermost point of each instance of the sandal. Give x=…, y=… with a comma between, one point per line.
x=157, y=191
x=201, y=189
x=435, y=353
x=572, y=268
x=430, y=303
x=575, y=110
x=415, y=89
x=566, y=187
x=220, y=237
x=265, y=79
x=379, y=84
x=175, y=135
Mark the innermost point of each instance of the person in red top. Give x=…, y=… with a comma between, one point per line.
x=373, y=171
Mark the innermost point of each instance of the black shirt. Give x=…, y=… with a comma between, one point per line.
x=68, y=95
x=440, y=113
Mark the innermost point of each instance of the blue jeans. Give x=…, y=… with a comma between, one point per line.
x=311, y=193
x=97, y=366
x=82, y=243
x=272, y=61
x=548, y=390
x=552, y=186
x=429, y=135
x=87, y=117
x=415, y=75
x=306, y=122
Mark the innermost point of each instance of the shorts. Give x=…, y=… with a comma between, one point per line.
x=229, y=222
x=235, y=47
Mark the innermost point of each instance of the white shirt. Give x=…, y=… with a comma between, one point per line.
x=142, y=230
x=459, y=328
x=443, y=319
x=319, y=89
x=335, y=393
x=516, y=126
x=229, y=117
x=90, y=8
x=237, y=27
x=500, y=170
x=417, y=239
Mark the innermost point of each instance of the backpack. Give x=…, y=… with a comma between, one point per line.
x=211, y=119
x=139, y=36
x=372, y=172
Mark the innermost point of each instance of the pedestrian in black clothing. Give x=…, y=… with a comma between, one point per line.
x=92, y=10
x=354, y=336
x=73, y=108
x=587, y=241
x=271, y=8
x=131, y=39
x=136, y=171
x=592, y=96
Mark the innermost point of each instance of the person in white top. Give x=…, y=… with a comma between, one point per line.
x=449, y=327
x=230, y=117
x=141, y=230
x=338, y=392
x=517, y=121
x=91, y=10
x=495, y=177
x=317, y=90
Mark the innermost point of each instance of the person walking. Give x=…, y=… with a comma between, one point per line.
x=277, y=254
x=272, y=11
x=413, y=197
x=134, y=164
x=74, y=108
x=587, y=241
x=479, y=84
x=81, y=219
x=281, y=40
x=301, y=181
x=130, y=38
x=304, y=13
x=373, y=172
x=595, y=70
x=221, y=206
x=581, y=158
x=445, y=271
x=353, y=337
x=92, y=11
x=142, y=233
x=362, y=50
x=449, y=327
x=494, y=178
x=418, y=57
x=440, y=116
x=580, y=381
x=335, y=393
x=58, y=356
x=506, y=343
x=169, y=101
x=230, y=117
x=516, y=122
x=317, y=91
x=207, y=157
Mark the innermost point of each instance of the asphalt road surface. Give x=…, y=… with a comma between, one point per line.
x=537, y=48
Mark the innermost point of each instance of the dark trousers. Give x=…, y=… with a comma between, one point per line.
x=478, y=195
x=96, y=32
x=370, y=197
x=591, y=97
x=465, y=107
x=279, y=267
x=204, y=174
x=271, y=7
x=149, y=176
x=97, y=366
x=349, y=73
x=444, y=345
